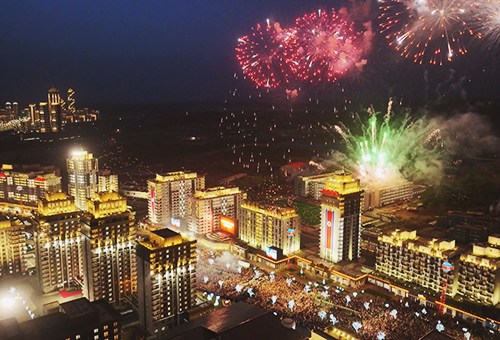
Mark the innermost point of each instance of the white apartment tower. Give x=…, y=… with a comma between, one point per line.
x=82, y=175
x=169, y=193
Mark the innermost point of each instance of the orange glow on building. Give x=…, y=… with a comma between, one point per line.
x=227, y=224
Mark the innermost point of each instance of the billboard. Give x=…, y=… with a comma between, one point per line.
x=153, y=204
x=175, y=222
x=272, y=253
x=329, y=230
x=227, y=225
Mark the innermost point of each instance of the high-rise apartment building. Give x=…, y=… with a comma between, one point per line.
x=71, y=101
x=405, y=256
x=479, y=272
x=12, y=246
x=27, y=184
x=82, y=176
x=166, y=270
x=58, y=242
x=264, y=225
x=44, y=116
x=340, y=230
x=55, y=110
x=208, y=206
x=109, y=248
x=107, y=182
x=169, y=193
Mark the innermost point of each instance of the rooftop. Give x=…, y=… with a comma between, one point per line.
x=239, y=321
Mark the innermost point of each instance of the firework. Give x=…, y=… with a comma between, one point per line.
x=261, y=55
x=426, y=30
x=486, y=20
x=386, y=150
x=325, y=47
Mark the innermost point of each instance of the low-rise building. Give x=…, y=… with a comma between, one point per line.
x=26, y=184
x=77, y=319
x=376, y=197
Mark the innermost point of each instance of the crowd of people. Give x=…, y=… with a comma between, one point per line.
x=318, y=305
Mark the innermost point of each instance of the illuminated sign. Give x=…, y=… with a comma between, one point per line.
x=330, y=192
x=290, y=232
x=272, y=253
x=227, y=224
x=3, y=175
x=329, y=230
x=19, y=188
x=447, y=267
x=175, y=222
x=40, y=179
x=153, y=204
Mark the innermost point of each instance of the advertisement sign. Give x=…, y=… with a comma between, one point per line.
x=175, y=222
x=227, y=225
x=272, y=253
x=329, y=230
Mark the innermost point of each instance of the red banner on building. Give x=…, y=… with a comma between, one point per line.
x=329, y=229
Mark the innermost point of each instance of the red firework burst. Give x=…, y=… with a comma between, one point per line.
x=324, y=48
x=262, y=55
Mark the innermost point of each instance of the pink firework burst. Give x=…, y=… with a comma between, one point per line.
x=324, y=48
x=261, y=55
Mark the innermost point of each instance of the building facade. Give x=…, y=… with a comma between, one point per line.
x=310, y=186
x=340, y=229
x=169, y=194
x=166, y=268
x=27, y=184
x=109, y=249
x=82, y=177
x=381, y=196
x=264, y=225
x=12, y=247
x=58, y=242
x=479, y=272
x=107, y=182
x=207, y=207
x=405, y=256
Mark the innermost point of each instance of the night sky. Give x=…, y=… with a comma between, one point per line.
x=159, y=51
